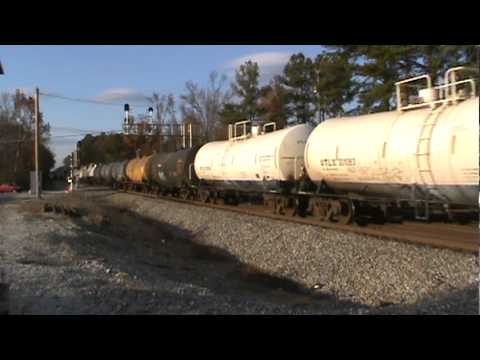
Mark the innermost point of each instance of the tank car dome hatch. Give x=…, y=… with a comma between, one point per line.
x=427, y=95
x=255, y=130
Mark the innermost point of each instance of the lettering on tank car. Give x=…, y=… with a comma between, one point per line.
x=337, y=162
x=339, y=176
x=265, y=157
x=471, y=171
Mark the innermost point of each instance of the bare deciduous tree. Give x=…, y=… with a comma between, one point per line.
x=16, y=140
x=205, y=105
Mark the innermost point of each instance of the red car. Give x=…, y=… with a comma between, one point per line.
x=5, y=188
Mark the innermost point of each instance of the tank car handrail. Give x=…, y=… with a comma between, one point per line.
x=453, y=86
x=270, y=124
x=399, y=95
x=452, y=71
x=429, y=80
x=235, y=125
x=444, y=93
x=449, y=72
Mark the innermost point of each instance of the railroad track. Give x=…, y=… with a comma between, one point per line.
x=441, y=235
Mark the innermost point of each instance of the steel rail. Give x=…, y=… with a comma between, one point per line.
x=446, y=236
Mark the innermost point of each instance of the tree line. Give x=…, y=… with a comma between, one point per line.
x=17, y=139
x=341, y=80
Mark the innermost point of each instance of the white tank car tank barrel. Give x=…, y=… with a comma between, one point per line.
x=387, y=153
x=254, y=162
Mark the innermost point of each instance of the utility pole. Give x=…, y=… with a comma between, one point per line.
x=37, y=140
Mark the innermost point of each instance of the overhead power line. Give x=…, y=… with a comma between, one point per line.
x=81, y=131
x=92, y=101
x=77, y=135
x=13, y=141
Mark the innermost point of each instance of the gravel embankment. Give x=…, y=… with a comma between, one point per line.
x=59, y=265
x=165, y=257
x=348, y=266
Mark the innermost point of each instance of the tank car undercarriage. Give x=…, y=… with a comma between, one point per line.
x=325, y=206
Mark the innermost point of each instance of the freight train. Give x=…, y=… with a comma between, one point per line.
x=420, y=161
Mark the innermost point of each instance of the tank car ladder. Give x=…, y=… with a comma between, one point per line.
x=423, y=163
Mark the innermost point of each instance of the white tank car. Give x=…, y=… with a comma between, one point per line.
x=433, y=149
x=91, y=170
x=83, y=172
x=256, y=161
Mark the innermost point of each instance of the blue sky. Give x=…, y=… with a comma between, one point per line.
x=121, y=74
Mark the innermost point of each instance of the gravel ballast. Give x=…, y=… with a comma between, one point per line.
x=352, y=267
x=75, y=269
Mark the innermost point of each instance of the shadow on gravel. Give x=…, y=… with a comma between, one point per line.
x=176, y=254
x=102, y=298
x=459, y=302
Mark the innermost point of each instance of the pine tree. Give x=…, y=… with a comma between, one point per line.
x=333, y=84
x=376, y=68
x=273, y=103
x=299, y=79
x=246, y=88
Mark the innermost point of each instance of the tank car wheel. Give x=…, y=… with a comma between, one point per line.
x=302, y=205
x=271, y=204
x=340, y=211
x=293, y=209
x=320, y=210
x=204, y=196
x=216, y=199
x=277, y=206
x=281, y=206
